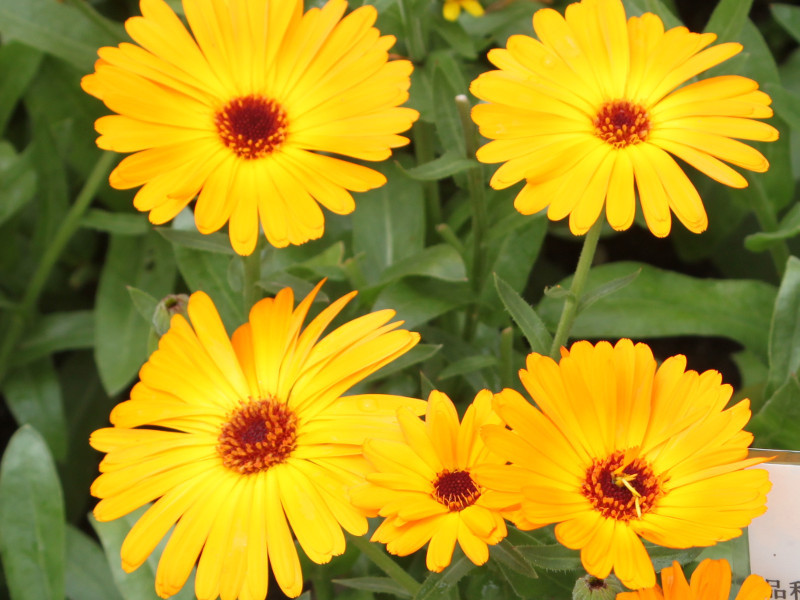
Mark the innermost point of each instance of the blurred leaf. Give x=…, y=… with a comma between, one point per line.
x=18, y=66
x=145, y=303
x=639, y=7
x=468, y=365
x=786, y=104
x=788, y=228
x=456, y=38
x=208, y=271
x=31, y=519
x=447, y=84
x=419, y=300
x=440, y=262
x=210, y=242
x=120, y=336
x=56, y=332
x=389, y=223
x=87, y=576
x=58, y=29
x=507, y=554
x=664, y=304
x=784, y=332
x=526, y=318
x=788, y=17
x=119, y=223
x=664, y=557
x=593, y=295
x=520, y=583
x=449, y=163
x=419, y=353
x=777, y=424
x=553, y=557
x=381, y=585
x=34, y=397
x=728, y=18
x=17, y=180
x=439, y=585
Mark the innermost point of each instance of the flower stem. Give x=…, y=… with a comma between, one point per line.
x=385, y=563
x=570, y=310
x=477, y=197
x=62, y=236
x=423, y=148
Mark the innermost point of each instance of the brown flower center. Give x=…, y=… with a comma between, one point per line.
x=621, y=487
x=257, y=436
x=622, y=123
x=251, y=126
x=455, y=489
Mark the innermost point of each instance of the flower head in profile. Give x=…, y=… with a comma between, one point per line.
x=711, y=580
x=423, y=485
x=594, y=108
x=244, y=112
x=452, y=8
x=245, y=442
x=620, y=450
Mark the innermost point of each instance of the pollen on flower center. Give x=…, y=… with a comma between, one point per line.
x=622, y=123
x=621, y=488
x=455, y=489
x=251, y=126
x=257, y=436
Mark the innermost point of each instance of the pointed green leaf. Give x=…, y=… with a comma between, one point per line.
x=449, y=163
x=604, y=290
x=784, y=332
x=87, y=576
x=56, y=332
x=439, y=585
x=379, y=585
x=788, y=17
x=526, y=318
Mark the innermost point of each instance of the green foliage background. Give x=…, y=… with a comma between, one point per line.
x=80, y=287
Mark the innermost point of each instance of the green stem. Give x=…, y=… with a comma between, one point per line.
x=477, y=197
x=252, y=273
x=570, y=310
x=40, y=276
x=415, y=37
x=385, y=563
x=423, y=148
x=768, y=221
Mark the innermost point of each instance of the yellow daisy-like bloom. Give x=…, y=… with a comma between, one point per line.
x=592, y=107
x=452, y=8
x=423, y=485
x=711, y=580
x=243, y=112
x=233, y=436
x=620, y=449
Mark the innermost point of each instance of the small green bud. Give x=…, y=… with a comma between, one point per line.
x=593, y=588
x=169, y=305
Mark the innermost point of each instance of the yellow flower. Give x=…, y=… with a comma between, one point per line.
x=244, y=111
x=711, y=580
x=620, y=449
x=592, y=107
x=452, y=8
x=424, y=487
x=233, y=436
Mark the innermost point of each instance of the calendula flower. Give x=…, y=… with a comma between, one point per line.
x=452, y=8
x=423, y=485
x=595, y=106
x=244, y=111
x=619, y=449
x=711, y=580
x=233, y=436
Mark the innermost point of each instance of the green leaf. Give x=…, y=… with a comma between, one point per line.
x=508, y=555
x=31, y=519
x=419, y=300
x=788, y=228
x=520, y=583
x=389, y=223
x=728, y=18
x=210, y=242
x=17, y=180
x=468, y=365
x=449, y=163
x=379, y=585
x=120, y=337
x=784, y=332
x=145, y=303
x=18, y=66
x=526, y=318
x=440, y=262
x=33, y=396
x=419, y=353
x=56, y=332
x=118, y=223
x=58, y=29
x=87, y=574
x=664, y=557
x=438, y=585
x=664, y=304
x=553, y=557
x=777, y=424
x=639, y=7
x=786, y=104
x=788, y=17
x=604, y=290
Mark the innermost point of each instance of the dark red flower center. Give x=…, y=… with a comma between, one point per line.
x=621, y=487
x=257, y=436
x=455, y=489
x=622, y=123
x=251, y=126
